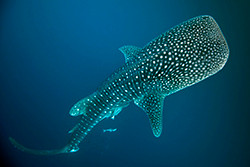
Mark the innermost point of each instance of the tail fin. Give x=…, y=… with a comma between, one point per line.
x=87, y=121
x=36, y=152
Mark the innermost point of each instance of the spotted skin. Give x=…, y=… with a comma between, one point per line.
x=178, y=58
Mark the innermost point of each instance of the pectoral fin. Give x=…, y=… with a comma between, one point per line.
x=152, y=104
x=130, y=52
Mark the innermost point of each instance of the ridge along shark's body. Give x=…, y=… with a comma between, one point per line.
x=181, y=57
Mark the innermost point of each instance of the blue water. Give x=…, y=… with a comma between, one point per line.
x=53, y=53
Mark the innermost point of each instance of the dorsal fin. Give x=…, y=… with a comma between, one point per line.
x=152, y=104
x=79, y=108
x=130, y=52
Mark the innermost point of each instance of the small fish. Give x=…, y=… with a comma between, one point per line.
x=109, y=130
x=183, y=56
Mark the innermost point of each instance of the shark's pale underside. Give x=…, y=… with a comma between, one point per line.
x=178, y=58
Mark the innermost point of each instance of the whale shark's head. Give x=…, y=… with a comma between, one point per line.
x=190, y=52
x=215, y=44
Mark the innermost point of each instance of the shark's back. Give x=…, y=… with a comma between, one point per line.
x=178, y=58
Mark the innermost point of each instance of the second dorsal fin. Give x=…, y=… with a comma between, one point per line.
x=130, y=52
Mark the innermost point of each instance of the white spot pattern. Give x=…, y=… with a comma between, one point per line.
x=181, y=57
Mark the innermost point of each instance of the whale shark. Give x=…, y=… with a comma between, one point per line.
x=182, y=56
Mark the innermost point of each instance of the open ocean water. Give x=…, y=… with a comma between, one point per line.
x=54, y=53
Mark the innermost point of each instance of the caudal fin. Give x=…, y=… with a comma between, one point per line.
x=36, y=152
x=87, y=121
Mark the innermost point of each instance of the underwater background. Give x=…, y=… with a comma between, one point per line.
x=54, y=53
